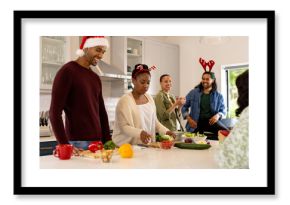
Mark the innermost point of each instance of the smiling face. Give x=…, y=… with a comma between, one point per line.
x=166, y=83
x=207, y=81
x=94, y=54
x=141, y=83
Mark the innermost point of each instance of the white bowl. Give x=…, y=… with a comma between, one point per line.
x=178, y=135
x=199, y=139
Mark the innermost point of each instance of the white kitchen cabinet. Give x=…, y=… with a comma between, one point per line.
x=134, y=57
x=55, y=52
x=134, y=53
x=53, y=55
x=166, y=58
x=126, y=52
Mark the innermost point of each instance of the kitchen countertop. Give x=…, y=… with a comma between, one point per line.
x=144, y=158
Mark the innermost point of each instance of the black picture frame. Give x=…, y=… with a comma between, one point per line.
x=269, y=16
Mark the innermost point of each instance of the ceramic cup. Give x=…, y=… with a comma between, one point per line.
x=222, y=134
x=63, y=151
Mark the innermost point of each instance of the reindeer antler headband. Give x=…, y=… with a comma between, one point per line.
x=140, y=69
x=204, y=64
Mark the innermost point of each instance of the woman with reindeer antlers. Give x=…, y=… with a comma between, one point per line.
x=206, y=104
x=135, y=119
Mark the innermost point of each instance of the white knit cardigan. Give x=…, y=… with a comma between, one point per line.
x=128, y=126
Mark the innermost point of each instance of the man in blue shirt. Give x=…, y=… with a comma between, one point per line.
x=206, y=107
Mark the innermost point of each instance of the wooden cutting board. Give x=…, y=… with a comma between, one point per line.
x=151, y=144
x=89, y=154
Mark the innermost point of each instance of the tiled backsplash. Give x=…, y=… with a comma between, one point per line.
x=44, y=102
x=111, y=103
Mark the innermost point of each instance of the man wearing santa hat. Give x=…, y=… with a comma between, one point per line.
x=77, y=91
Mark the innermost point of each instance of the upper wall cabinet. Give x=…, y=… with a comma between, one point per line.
x=166, y=58
x=126, y=52
x=54, y=53
x=134, y=56
x=134, y=53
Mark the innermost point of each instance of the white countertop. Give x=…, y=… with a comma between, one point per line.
x=144, y=158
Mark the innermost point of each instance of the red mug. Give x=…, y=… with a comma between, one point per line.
x=225, y=132
x=63, y=151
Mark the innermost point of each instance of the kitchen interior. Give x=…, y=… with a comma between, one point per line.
x=174, y=55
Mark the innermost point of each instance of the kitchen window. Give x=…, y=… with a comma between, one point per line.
x=230, y=91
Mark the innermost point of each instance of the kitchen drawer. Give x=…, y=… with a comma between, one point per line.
x=46, y=148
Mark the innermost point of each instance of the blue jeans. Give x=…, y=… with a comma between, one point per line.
x=80, y=144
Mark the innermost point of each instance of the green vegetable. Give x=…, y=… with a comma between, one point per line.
x=109, y=145
x=189, y=134
x=161, y=138
x=200, y=135
x=158, y=138
x=192, y=146
x=166, y=138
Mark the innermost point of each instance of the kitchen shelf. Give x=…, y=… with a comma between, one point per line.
x=55, y=39
x=131, y=55
x=45, y=88
x=54, y=54
x=109, y=78
x=136, y=57
x=53, y=63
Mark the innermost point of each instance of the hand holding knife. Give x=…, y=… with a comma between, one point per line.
x=145, y=137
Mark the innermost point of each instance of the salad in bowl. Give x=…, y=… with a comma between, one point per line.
x=196, y=138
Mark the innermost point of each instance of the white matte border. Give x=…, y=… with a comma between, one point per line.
x=256, y=29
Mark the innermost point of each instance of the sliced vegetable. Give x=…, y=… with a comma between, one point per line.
x=189, y=134
x=199, y=134
x=162, y=138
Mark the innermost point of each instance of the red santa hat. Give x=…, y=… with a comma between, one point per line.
x=91, y=41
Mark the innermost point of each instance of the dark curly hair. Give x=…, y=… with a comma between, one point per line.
x=140, y=68
x=242, y=83
x=214, y=85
